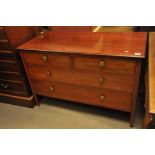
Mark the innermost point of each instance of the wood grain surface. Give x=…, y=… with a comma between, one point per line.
x=129, y=44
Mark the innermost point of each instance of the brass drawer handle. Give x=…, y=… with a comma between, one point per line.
x=48, y=73
x=44, y=58
x=4, y=86
x=102, y=64
x=102, y=97
x=101, y=80
x=51, y=88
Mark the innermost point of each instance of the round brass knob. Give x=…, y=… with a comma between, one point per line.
x=102, y=97
x=101, y=80
x=5, y=86
x=51, y=88
x=44, y=58
x=1, y=84
x=102, y=64
x=48, y=73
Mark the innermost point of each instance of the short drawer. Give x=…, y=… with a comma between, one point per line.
x=11, y=86
x=53, y=60
x=7, y=55
x=100, y=97
x=9, y=66
x=107, y=64
x=4, y=45
x=108, y=81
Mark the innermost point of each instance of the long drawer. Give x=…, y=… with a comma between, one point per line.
x=54, y=60
x=8, y=66
x=10, y=75
x=4, y=44
x=108, y=81
x=100, y=97
x=2, y=33
x=7, y=55
x=13, y=87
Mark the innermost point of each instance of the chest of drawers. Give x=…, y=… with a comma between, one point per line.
x=14, y=87
x=100, y=69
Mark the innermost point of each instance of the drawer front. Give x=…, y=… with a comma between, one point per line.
x=100, y=97
x=10, y=75
x=7, y=55
x=108, y=81
x=2, y=33
x=9, y=66
x=11, y=86
x=53, y=60
x=4, y=45
x=115, y=65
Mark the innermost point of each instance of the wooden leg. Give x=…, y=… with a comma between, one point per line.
x=132, y=115
x=147, y=120
x=132, y=118
x=36, y=100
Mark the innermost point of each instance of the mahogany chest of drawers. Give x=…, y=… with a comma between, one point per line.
x=14, y=87
x=100, y=69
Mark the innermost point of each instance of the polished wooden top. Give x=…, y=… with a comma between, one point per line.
x=151, y=72
x=126, y=44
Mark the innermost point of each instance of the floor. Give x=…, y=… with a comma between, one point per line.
x=63, y=114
